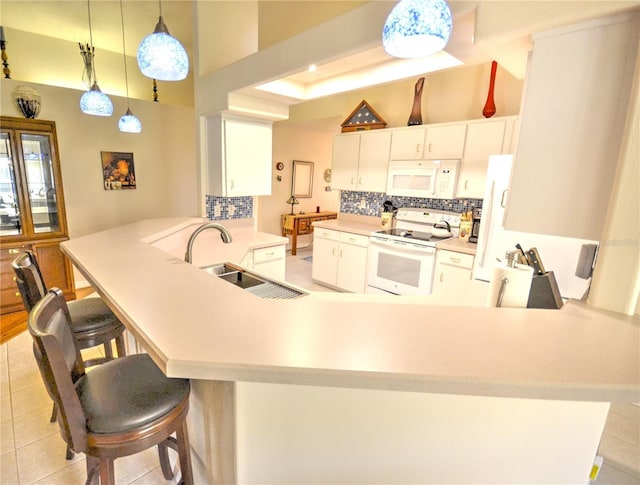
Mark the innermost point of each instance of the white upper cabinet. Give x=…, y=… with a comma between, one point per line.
x=360, y=161
x=575, y=105
x=444, y=142
x=407, y=143
x=428, y=142
x=483, y=139
x=238, y=152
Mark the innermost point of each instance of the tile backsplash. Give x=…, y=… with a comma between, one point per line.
x=223, y=208
x=370, y=203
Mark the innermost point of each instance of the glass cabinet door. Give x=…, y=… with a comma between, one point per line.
x=10, y=223
x=41, y=185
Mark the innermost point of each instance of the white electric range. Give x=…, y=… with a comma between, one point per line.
x=401, y=260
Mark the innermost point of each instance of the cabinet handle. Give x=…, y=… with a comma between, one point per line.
x=441, y=277
x=17, y=293
x=14, y=278
x=14, y=251
x=352, y=180
x=333, y=251
x=502, y=199
x=418, y=148
x=466, y=184
x=455, y=260
x=231, y=184
x=430, y=147
x=360, y=181
x=341, y=253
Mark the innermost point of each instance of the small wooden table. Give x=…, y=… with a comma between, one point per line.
x=302, y=224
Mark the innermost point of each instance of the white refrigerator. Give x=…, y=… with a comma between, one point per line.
x=558, y=254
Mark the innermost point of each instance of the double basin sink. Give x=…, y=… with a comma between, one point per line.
x=252, y=283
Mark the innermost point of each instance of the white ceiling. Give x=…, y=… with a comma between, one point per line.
x=494, y=30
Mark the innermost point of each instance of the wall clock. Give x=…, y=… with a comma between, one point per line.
x=327, y=175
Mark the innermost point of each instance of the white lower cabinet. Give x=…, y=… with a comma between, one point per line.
x=452, y=268
x=340, y=259
x=269, y=261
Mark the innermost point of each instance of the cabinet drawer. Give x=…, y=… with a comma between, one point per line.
x=304, y=226
x=272, y=253
x=327, y=234
x=452, y=258
x=355, y=239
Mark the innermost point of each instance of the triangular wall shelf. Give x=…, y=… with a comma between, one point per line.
x=364, y=117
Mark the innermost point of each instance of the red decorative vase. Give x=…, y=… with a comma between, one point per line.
x=415, y=118
x=490, y=106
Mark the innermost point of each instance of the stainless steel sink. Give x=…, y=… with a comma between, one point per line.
x=252, y=283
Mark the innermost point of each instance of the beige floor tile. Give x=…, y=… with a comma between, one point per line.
x=133, y=467
x=154, y=477
x=628, y=409
x=19, y=343
x=29, y=399
x=609, y=475
x=5, y=407
x=43, y=458
x=72, y=474
x=34, y=426
x=7, y=442
x=620, y=454
x=4, y=372
x=624, y=427
x=8, y=469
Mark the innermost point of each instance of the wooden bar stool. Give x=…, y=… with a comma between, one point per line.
x=92, y=320
x=120, y=408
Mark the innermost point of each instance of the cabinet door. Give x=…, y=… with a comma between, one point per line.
x=407, y=143
x=373, y=161
x=270, y=261
x=451, y=269
x=445, y=142
x=325, y=259
x=344, y=167
x=248, y=154
x=56, y=268
x=352, y=263
x=10, y=296
x=483, y=140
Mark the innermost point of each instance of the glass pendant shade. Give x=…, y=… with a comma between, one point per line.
x=161, y=56
x=95, y=102
x=417, y=28
x=128, y=123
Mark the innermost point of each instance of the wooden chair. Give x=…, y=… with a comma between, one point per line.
x=92, y=320
x=121, y=407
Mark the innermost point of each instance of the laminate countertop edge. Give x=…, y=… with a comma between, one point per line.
x=197, y=326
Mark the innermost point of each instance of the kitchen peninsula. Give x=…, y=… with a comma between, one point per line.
x=340, y=388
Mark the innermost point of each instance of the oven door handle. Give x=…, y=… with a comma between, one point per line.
x=405, y=247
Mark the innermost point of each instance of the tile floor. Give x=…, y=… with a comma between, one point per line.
x=32, y=452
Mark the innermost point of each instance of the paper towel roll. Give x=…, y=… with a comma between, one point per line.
x=516, y=293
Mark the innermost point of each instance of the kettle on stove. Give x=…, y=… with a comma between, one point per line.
x=441, y=229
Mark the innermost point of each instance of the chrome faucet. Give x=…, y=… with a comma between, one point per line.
x=224, y=234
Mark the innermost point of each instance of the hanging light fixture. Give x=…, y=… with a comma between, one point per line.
x=417, y=28
x=94, y=101
x=161, y=56
x=128, y=123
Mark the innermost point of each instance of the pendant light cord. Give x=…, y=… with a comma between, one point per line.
x=89, y=53
x=124, y=54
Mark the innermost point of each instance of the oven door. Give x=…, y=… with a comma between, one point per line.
x=400, y=267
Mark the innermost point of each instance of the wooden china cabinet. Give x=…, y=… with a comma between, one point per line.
x=32, y=212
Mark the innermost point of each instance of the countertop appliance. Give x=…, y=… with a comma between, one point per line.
x=560, y=254
x=402, y=260
x=434, y=179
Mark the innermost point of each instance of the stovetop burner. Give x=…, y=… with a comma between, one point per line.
x=408, y=233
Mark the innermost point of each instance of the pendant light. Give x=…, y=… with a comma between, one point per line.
x=161, y=56
x=417, y=28
x=94, y=101
x=128, y=123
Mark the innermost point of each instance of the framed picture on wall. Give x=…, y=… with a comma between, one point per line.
x=118, y=171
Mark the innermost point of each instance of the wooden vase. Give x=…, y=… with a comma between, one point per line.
x=490, y=106
x=416, y=112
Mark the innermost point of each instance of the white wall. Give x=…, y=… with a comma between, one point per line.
x=293, y=143
x=164, y=158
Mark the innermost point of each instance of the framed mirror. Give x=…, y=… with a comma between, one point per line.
x=302, y=179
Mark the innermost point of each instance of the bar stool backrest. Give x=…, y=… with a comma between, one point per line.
x=60, y=363
x=29, y=279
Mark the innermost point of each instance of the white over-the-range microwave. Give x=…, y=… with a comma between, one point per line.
x=434, y=179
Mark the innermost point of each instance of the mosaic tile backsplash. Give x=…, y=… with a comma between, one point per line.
x=370, y=203
x=222, y=208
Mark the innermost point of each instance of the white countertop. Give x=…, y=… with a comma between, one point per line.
x=198, y=326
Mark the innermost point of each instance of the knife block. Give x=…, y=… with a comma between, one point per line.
x=544, y=292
